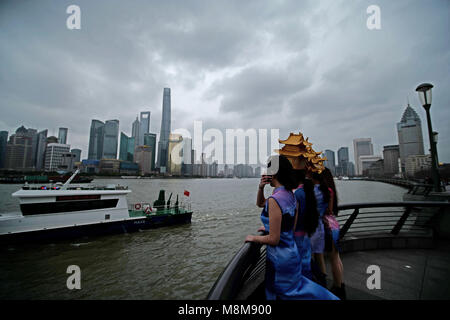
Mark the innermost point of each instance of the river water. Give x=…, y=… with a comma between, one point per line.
x=179, y=262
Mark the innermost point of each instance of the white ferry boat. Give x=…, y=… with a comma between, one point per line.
x=69, y=211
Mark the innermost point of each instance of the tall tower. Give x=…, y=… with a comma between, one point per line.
x=163, y=145
x=136, y=131
x=343, y=159
x=361, y=147
x=95, y=151
x=410, y=139
x=144, y=126
x=62, y=135
x=330, y=162
x=111, y=139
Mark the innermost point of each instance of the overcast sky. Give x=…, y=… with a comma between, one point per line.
x=309, y=66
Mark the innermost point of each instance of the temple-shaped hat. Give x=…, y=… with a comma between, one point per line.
x=300, y=153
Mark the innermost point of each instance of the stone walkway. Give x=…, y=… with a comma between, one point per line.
x=405, y=273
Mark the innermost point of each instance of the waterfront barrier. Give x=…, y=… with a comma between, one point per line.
x=364, y=226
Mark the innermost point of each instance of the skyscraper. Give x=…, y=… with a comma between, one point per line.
x=136, y=132
x=40, y=150
x=126, y=152
x=163, y=145
x=410, y=139
x=62, y=135
x=330, y=163
x=361, y=147
x=19, y=150
x=54, y=155
x=144, y=126
x=3, y=144
x=150, y=140
x=111, y=139
x=391, y=155
x=175, y=158
x=343, y=159
x=95, y=151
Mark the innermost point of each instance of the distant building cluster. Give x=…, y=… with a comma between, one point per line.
x=402, y=160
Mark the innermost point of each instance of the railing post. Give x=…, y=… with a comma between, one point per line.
x=401, y=221
x=348, y=223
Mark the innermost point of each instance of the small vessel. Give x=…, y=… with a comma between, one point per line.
x=60, y=211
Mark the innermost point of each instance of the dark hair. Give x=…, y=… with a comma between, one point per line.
x=327, y=177
x=323, y=186
x=310, y=217
x=284, y=174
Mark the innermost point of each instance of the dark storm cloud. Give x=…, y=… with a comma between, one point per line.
x=294, y=65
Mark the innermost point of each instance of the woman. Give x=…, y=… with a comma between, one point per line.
x=332, y=236
x=318, y=238
x=307, y=220
x=284, y=279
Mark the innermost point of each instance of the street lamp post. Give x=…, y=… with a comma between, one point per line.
x=424, y=91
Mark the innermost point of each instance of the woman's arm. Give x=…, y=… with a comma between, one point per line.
x=274, y=226
x=260, y=200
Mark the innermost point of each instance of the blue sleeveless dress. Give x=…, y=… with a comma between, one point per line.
x=318, y=238
x=302, y=240
x=284, y=279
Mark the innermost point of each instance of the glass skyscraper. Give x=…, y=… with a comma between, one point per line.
x=62, y=135
x=111, y=139
x=144, y=126
x=150, y=140
x=163, y=145
x=330, y=163
x=126, y=152
x=343, y=159
x=410, y=139
x=95, y=151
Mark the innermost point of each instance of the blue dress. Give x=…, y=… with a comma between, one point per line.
x=318, y=238
x=284, y=279
x=302, y=240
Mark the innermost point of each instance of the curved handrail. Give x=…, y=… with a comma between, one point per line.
x=231, y=279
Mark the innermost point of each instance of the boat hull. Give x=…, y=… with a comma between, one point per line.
x=96, y=229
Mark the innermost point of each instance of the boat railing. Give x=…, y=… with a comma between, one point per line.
x=383, y=221
x=148, y=208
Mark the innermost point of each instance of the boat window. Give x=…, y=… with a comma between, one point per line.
x=67, y=206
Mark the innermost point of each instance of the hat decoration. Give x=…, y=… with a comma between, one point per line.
x=300, y=153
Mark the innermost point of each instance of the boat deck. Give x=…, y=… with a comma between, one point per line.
x=419, y=274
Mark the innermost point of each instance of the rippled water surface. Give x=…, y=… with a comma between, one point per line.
x=179, y=262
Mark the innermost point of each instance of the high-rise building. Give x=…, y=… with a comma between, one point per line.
x=111, y=139
x=150, y=140
x=351, y=169
x=175, y=153
x=144, y=126
x=187, y=157
x=62, y=135
x=361, y=147
x=95, y=151
x=330, y=163
x=40, y=150
x=143, y=157
x=19, y=150
x=77, y=153
x=410, y=139
x=163, y=145
x=343, y=159
x=126, y=152
x=3, y=147
x=54, y=155
x=136, y=132
x=416, y=163
x=391, y=154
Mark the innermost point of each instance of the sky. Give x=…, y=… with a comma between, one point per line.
x=308, y=66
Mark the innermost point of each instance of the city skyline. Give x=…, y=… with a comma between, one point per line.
x=297, y=67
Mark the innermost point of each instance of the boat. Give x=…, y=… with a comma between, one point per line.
x=62, y=211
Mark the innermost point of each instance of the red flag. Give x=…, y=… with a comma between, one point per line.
x=186, y=193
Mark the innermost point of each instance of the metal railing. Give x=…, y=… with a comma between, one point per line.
x=396, y=219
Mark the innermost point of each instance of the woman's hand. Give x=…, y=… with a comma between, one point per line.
x=249, y=238
x=263, y=229
x=264, y=180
